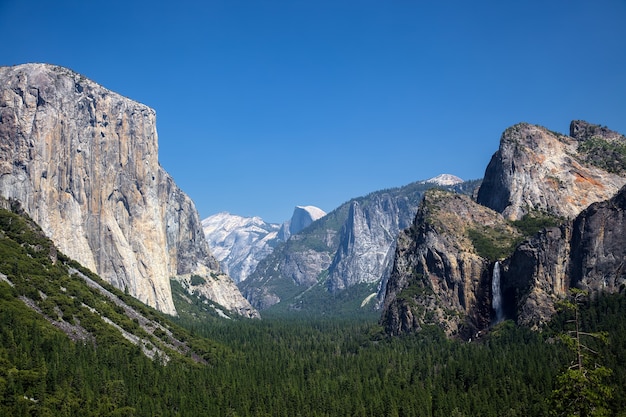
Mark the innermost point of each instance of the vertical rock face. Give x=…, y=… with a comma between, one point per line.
x=536, y=172
x=598, y=246
x=440, y=275
x=539, y=170
x=536, y=276
x=367, y=238
x=301, y=218
x=588, y=252
x=84, y=163
x=354, y=244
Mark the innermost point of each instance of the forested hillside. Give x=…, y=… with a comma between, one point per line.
x=269, y=367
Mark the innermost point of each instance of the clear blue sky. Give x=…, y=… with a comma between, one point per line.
x=266, y=104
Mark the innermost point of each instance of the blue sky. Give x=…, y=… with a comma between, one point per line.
x=267, y=104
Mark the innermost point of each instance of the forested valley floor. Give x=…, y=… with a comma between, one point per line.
x=280, y=367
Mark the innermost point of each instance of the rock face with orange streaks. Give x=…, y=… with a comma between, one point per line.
x=572, y=188
x=539, y=170
x=83, y=161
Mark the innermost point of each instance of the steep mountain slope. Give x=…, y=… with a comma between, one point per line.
x=83, y=161
x=74, y=300
x=348, y=249
x=588, y=252
x=539, y=181
x=441, y=270
x=239, y=243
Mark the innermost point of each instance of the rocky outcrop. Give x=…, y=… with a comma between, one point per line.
x=539, y=170
x=588, y=252
x=598, y=246
x=535, y=276
x=442, y=271
x=350, y=247
x=239, y=243
x=301, y=218
x=539, y=173
x=367, y=238
x=83, y=161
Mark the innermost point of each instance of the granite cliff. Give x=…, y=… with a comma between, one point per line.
x=441, y=274
x=588, y=252
x=343, y=257
x=552, y=222
x=537, y=169
x=301, y=218
x=83, y=161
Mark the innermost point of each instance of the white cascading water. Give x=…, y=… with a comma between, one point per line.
x=496, y=294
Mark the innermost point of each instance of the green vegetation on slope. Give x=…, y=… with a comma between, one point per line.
x=608, y=155
x=493, y=243
x=321, y=367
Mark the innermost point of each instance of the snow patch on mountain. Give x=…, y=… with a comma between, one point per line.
x=238, y=242
x=445, y=179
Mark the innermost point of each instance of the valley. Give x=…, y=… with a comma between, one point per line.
x=442, y=297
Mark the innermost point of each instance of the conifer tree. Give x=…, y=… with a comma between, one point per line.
x=581, y=390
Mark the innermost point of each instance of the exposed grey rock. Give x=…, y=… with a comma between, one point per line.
x=366, y=239
x=439, y=277
x=83, y=161
x=239, y=243
x=301, y=218
x=352, y=245
x=598, y=246
x=588, y=252
x=534, y=171
x=539, y=170
x=535, y=276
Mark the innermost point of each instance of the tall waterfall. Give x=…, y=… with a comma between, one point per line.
x=496, y=293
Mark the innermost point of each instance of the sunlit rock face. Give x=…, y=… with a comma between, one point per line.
x=301, y=218
x=239, y=243
x=440, y=272
x=84, y=163
x=367, y=241
x=536, y=169
x=439, y=276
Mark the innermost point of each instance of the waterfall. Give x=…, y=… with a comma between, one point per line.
x=496, y=293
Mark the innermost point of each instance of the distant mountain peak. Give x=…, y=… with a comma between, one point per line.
x=445, y=179
x=314, y=212
x=238, y=242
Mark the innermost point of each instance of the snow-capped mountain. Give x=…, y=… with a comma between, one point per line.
x=239, y=243
x=445, y=180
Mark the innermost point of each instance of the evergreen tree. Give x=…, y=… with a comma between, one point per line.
x=581, y=390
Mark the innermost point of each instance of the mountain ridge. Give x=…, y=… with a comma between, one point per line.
x=320, y=255
x=544, y=185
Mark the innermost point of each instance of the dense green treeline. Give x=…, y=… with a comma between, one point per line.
x=292, y=368
x=278, y=366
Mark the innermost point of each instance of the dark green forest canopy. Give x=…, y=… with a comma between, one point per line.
x=270, y=367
